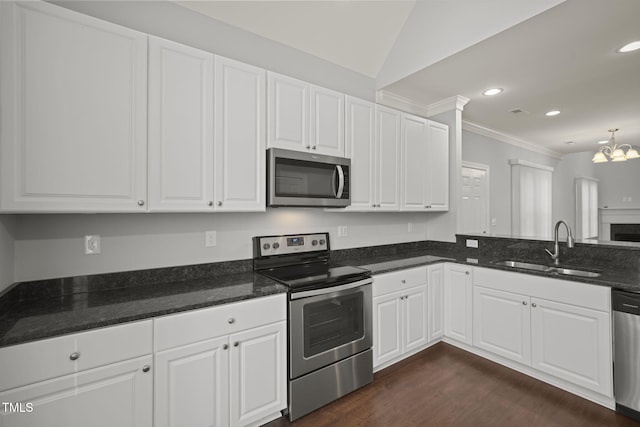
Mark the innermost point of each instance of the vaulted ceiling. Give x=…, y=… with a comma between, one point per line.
x=544, y=54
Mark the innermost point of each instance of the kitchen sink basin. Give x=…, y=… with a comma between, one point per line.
x=525, y=265
x=574, y=272
x=547, y=268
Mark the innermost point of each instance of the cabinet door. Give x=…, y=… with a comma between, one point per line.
x=120, y=394
x=258, y=374
x=572, y=343
x=502, y=323
x=73, y=112
x=436, y=166
x=387, y=328
x=413, y=164
x=360, y=143
x=239, y=137
x=388, y=158
x=180, y=127
x=327, y=121
x=435, y=284
x=192, y=384
x=287, y=113
x=458, y=294
x=416, y=332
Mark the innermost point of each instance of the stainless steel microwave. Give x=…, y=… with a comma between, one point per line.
x=296, y=178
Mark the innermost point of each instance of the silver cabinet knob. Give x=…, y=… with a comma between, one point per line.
x=225, y=346
x=314, y=147
x=210, y=203
x=140, y=202
x=403, y=281
x=235, y=344
x=146, y=368
x=524, y=303
x=533, y=304
x=308, y=147
x=219, y=203
x=231, y=320
x=74, y=356
x=467, y=273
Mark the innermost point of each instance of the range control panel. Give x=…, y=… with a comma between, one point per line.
x=282, y=245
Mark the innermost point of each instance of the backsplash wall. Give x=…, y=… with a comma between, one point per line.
x=50, y=246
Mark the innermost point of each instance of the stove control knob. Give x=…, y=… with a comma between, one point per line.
x=266, y=246
x=276, y=245
x=322, y=242
x=314, y=242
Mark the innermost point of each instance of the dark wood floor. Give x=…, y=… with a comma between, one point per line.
x=446, y=386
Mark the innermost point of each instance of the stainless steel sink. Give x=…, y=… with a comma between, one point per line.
x=525, y=265
x=574, y=272
x=548, y=269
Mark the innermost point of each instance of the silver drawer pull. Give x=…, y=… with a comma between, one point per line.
x=235, y=344
x=231, y=321
x=629, y=305
x=146, y=368
x=74, y=356
x=524, y=303
x=533, y=304
x=225, y=346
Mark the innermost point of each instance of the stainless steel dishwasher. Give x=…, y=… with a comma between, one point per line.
x=626, y=352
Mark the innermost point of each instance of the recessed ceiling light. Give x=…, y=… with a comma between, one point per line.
x=493, y=91
x=552, y=113
x=630, y=47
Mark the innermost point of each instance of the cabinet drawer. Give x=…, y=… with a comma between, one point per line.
x=399, y=280
x=193, y=326
x=40, y=360
x=565, y=291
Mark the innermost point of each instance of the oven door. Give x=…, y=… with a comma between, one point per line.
x=328, y=325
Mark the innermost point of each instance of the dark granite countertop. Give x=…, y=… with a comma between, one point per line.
x=34, y=319
x=622, y=280
x=43, y=309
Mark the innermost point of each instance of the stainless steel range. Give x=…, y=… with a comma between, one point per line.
x=329, y=318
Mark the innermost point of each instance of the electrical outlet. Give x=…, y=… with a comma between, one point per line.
x=343, y=231
x=92, y=245
x=472, y=243
x=494, y=222
x=210, y=238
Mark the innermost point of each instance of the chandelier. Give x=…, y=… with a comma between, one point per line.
x=615, y=152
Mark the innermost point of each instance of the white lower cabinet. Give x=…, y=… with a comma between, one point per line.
x=435, y=297
x=97, y=378
x=458, y=296
x=557, y=327
x=229, y=369
x=400, y=322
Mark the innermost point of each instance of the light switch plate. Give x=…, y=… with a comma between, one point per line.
x=210, y=238
x=92, y=244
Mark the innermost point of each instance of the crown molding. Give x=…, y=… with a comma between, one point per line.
x=392, y=100
x=503, y=137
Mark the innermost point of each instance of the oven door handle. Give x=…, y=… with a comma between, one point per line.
x=332, y=289
x=340, y=182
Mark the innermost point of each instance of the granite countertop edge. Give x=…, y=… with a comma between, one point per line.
x=132, y=303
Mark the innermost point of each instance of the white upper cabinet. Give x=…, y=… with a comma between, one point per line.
x=425, y=164
x=180, y=127
x=288, y=113
x=414, y=157
x=437, y=167
x=361, y=149
x=327, y=121
x=388, y=130
x=74, y=112
x=239, y=136
x=304, y=117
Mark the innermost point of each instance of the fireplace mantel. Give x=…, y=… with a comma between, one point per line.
x=616, y=216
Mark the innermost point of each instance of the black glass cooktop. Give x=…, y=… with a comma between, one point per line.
x=316, y=274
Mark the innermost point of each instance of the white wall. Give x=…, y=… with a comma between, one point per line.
x=49, y=246
x=570, y=167
x=168, y=20
x=618, y=182
x=7, y=260
x=481, y=149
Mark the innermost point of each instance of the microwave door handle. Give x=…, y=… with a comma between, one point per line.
x=340, y=181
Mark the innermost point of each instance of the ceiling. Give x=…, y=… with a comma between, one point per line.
x=563, y=58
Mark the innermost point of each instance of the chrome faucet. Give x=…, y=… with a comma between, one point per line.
x=556, y=254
